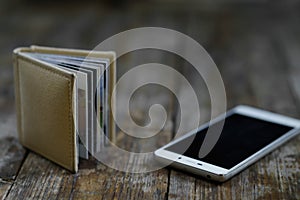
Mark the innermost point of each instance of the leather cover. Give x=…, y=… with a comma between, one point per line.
x=46, y=98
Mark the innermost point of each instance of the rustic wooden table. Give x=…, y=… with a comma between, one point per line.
x=258, y=57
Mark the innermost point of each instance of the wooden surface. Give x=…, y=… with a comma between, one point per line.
x=256, y=48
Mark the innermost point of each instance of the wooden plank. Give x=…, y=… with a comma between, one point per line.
x=278, y=172
x=236, y=76
x=39, y=178
x=287, y=43
x=11, y=157
x=181, y=186
x=4, y=188
x=270, y=78
x=111, y=184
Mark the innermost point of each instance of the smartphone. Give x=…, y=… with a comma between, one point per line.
x=248, y=134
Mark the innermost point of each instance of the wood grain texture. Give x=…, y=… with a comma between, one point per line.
x=12, y=155
x=4, y=189
x=94, y=181
x=256, y=49
x=41, y=179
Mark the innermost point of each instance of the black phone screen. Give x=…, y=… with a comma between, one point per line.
x=241, y=137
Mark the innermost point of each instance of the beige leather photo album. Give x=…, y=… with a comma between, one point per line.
x=63, y=102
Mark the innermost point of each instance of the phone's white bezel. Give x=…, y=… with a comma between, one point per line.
x=218, y=173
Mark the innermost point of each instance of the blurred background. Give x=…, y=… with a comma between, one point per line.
x=255, y=44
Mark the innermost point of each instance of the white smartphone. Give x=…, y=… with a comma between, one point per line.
x=248, y=135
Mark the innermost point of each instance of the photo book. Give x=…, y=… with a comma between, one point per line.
x=64, y=102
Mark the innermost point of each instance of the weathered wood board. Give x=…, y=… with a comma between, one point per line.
x=256, y=49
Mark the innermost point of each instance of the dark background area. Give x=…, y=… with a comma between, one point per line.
x=241, y=36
